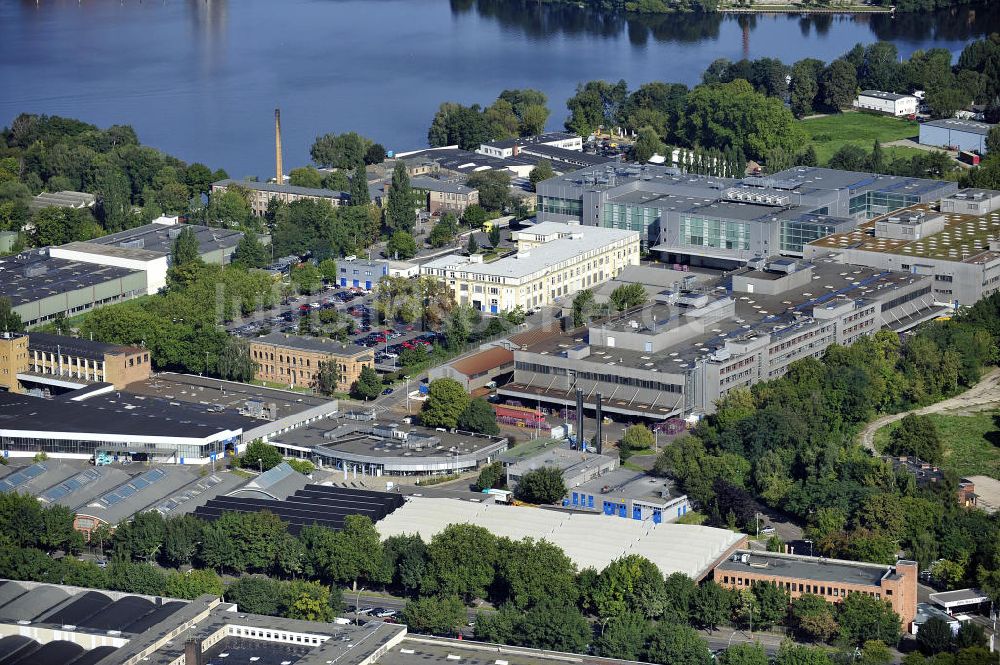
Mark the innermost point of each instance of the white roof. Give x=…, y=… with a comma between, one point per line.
x=588, y=540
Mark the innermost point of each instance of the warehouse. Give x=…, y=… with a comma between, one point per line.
x=889, y=103
x=313, y=504
x=494, y=365
x=954, y=134
x=588, y=540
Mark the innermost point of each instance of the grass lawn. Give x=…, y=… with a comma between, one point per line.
x=970, y=443
x=691, y=517
x=830, y=133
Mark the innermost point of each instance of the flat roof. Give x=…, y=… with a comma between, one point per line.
x=159, y=238
x=538, y=258
x=315, y=344
x=948, y=599
x=222, y=396
x=484, y=361
x=77, y=346
x=587, y=539
x=622, y=482
x=118, y=414
x=964, y=237
x=439, y=185
x=954, y=124
x=891, y=96
x=533, y=140
x=561, y=458
x=817, y=569
x=113, y=251
x=33, y=275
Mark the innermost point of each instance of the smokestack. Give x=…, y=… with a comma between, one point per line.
x=579, y=418
x=277, y=148
x=599, y=435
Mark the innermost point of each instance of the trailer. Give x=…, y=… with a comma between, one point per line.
x=520, y=416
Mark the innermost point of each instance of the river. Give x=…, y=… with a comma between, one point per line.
x=200, y=78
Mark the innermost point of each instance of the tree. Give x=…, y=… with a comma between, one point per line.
x=235, y=363
x=479, y=417
x=306, y=176
x=474, y=216
x=261, y=456
x=876, y=160
x=556, y=626
x=804, y=86
x=993, y=141
x=306, y=277
x=542, y=486
x=494, y=188
x=185, y=249
x=875, y=652
x=863, y=618
x=140, y=578
x=542, y=171
x=375, y=154
x=494, y=237
x=255, y=595
x=462, y=561
x=401, y=246
x=772, y=604
x=250, y=253
x=672, y=644
x=711, y=605
x=339, y=151
x=328, y=270
x=446, y=402
x=918, y=436
x=194, y=583
x=838, y=84
x=744, y=654
x=647, y=144
x=400, y=214
x=595, y=104
x=631, y=583
x=327, y=377
x=623, y=636
x=970, y=635
x=141, y=538
x=944, y=101
x=406, y=558
x=638, y=437
x=491, y=476
x=435, y=615
x=583, y=307
x=359, y=186
x=628, y=296
x=10, y=321
x=472, y=247
x=790, y=653
x=464, y=126
x=368, y=384
x=444, y=231
x=180, y=540
x=934, y=637
x=114, y=200
x=812, y=618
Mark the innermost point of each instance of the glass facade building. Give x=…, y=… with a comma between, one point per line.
x=715, y=233
x=557, y=206
x=872, y=204
x=794, y=235
x=643, y=219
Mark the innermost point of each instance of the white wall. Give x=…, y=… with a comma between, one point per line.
x=155, y=269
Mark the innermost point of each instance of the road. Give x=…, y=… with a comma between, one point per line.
x=984, y=394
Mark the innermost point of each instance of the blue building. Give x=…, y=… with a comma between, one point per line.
x=966, y=135
x=625, y=493
x=362, y=273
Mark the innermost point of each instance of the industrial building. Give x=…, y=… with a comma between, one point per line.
x=553, y=260
x=63, y=625
x=588, y=540
x=42, y=360
x=322, y=505
x=40, y=287
x=693, y=344
x=359, y=445
x=63, y=199
x=830, y=579
x=506, y=148
x=476, y=372
x=294, y=361
x=954, y=134
x=889, y=103
x=628, y=494
x=724, y=222
x=954, y=242
x=576, y=466
x=261, y=194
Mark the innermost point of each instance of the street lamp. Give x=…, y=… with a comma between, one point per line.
x=357, y=607
x=810, y=547
x=407, y=377
x=260, y=461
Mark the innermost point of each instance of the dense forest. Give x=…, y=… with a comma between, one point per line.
x=668, y=6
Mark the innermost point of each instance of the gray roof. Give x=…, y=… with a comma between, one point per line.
x=76, y=346
x=64, y=199
x=532, y=140
x=279, y=189
x=140, y=493
x=33, y=275
x=159, y=238
x=84, y=487
x=278, y=483
x=438, y=185
x=37, y=477
x=890, y=96
x=315, y=344
x=33, y=603
x=817, y=569
x=954, y=124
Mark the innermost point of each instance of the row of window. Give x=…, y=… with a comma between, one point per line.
x=801, y=587
x=715, y=233
x=599, y=378
x=262, y=634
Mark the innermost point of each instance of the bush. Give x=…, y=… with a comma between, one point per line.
x=544, y=485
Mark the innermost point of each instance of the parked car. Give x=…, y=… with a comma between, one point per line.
x=384, y=613
x=767, y=530
x=387, y=391
x=365, y=610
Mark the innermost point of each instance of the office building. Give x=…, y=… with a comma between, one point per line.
x=553, y=261
x=954, y=242
x=361, y=273
x=954, y=134
x=830, y=579
x=889, y=103
x=506, y=148
x=294, y=361
x=261, y=194
x=57, y=361
x=692, y=345
x=695, y=219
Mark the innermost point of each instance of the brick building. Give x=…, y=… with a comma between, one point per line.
x=68, y=360
x=261, y=193
x=294, y=361
x=928, y=475
x=831, y=579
